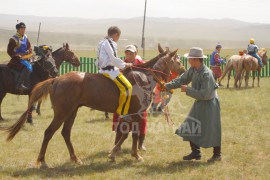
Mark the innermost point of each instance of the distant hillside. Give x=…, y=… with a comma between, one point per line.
x=173, y=32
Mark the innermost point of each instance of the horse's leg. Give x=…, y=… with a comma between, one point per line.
x=2, y=95
x=253, y=78
x=38, y=108
x=66, y=131
x=229, y=75
x=246, y=78
x=29, y=117
x=259, y=74
x=241, y=78
x=53, y=127
x=135, y=136
x=124, y=128
x=107, y=116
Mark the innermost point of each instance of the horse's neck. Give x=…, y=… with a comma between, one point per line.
x=39, y=72
x=57, y=56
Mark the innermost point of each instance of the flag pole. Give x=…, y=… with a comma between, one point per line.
x=143, y=38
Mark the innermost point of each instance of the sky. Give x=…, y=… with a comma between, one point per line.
x=244, y=10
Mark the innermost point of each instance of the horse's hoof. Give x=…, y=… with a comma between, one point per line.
x=44, y=165
x=111, y=156
x=78, y=161
x=140, y=159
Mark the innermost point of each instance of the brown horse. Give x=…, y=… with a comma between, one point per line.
x=60, y=55
x=231, y=64
x=247, y=64
x=91, y=90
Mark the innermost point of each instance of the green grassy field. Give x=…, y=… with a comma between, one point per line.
x=245, y=143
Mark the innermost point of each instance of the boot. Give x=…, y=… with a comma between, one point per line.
x=195, y=154
x=24, y=76
x=216, y=155
x=141, y=140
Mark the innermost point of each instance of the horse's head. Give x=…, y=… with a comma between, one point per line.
x=263, y=54
x=65, y=54
x=169, y=63
x=48, y=65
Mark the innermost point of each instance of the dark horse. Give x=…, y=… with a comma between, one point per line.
x=60, y=55
x=39, y=74
x=91, y=90
x=42, y=69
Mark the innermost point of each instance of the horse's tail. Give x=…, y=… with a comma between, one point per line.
x=239, y=70
x=227, y=67
x=40, y=91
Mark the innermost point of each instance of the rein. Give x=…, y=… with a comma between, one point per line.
x=150, y=70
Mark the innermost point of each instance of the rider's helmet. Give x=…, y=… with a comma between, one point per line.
x=251, y=41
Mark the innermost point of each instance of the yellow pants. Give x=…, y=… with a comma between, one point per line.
x=125, y=93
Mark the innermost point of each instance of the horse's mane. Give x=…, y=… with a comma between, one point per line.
x=151, y=63
x=57, y=50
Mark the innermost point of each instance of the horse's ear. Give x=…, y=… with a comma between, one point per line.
x=173, y=53
x=64, y=45
x=160, y=49
x=67, y=46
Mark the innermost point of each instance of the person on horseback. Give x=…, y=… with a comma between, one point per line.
x=253, y=50
x=215, y=62
x=18, y=47
x=110, y=65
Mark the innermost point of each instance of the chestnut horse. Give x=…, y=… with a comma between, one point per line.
x=248, y=63
x=60, y=55
x=231, y=64
x=91, y=90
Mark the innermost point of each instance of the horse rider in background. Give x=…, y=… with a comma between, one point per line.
x=18, y=47
x=253, y=50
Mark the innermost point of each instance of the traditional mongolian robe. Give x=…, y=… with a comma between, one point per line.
x=18, y=45
x=202, y=125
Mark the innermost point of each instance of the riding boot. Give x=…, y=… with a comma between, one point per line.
x=195, y=154
x=24, y=76
x=216, y=155
x=141, y=140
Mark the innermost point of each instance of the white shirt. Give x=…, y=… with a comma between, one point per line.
x=107, y=57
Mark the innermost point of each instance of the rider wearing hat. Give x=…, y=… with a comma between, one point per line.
x=19, y=49
x=202, y=126
x=253, y=50
x=110, y=66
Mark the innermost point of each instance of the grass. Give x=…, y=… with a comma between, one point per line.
x=245, y=143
